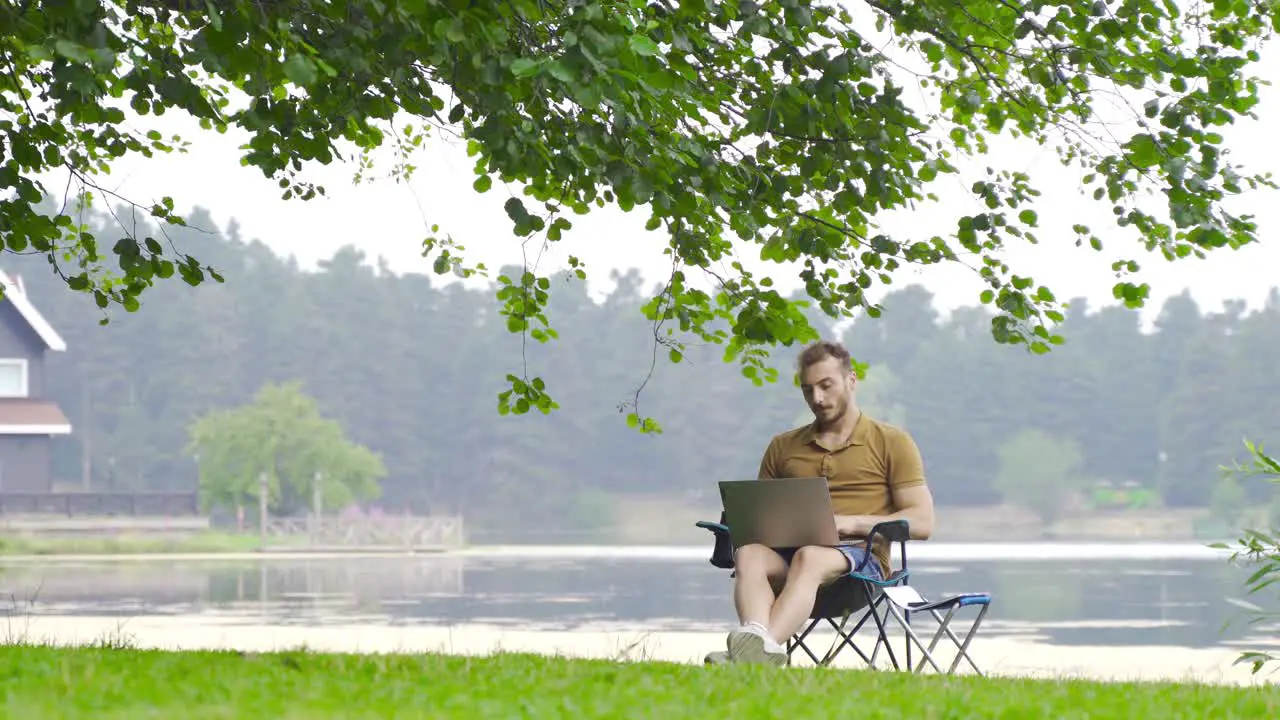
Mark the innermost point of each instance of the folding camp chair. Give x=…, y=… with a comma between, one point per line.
x=879, y=599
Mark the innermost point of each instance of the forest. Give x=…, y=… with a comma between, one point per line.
x=411, y=368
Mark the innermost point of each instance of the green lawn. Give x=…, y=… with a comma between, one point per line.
x=43, y=682
x=202, y=542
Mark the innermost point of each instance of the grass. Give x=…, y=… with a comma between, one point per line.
x=201, y=542
x=118, y=682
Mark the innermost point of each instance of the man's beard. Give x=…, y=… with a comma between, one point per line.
x=830, y=415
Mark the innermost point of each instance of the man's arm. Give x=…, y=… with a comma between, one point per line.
x=915, y=505
x=911, y=496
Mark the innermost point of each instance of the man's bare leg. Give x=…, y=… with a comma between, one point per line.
x=759, y=574
x=760, y=571
x=811, y=568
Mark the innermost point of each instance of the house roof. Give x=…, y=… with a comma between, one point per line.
x=15, y=293
x=29, y=416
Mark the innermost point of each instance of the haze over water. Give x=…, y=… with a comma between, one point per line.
x=1146, y=610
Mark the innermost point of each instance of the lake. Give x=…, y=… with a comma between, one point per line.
x=1073, y=609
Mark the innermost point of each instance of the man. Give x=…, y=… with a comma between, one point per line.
x=875, y=473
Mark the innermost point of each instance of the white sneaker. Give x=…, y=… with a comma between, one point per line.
x=752, y=644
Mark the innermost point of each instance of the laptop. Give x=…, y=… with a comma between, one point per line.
x=782, y=513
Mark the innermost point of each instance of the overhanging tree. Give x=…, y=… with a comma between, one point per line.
x=780, y=125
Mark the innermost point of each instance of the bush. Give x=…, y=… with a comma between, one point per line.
x=1256, y=547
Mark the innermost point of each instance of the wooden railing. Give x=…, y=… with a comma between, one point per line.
x=400, y=531
x=95, y=504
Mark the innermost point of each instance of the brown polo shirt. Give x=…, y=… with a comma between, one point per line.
x=862, y=474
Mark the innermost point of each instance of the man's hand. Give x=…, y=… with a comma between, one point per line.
x=854, y=526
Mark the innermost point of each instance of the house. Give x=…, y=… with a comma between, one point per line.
x=29, y=420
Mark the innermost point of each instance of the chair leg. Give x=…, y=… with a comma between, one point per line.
x=882, y=640
x=906, y=639
x=842, y=640
x=875, y=613
x=797, y=641
x=845, y=639
x=937, y=636
x=962, y=646
x=912, y=637
x=944, y=628
x=963, y=651
x=884, y=635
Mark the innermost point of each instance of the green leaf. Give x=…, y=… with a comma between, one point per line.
x=71, y=50
x=1143, y=151
x=524, y=67
x=560, y=71
x=300, y=70
x=642, y=45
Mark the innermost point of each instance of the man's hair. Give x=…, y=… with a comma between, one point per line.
x=821, y=350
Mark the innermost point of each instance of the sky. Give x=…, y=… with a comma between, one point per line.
x=389, y=219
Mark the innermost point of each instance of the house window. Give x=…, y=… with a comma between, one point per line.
x=13, y=377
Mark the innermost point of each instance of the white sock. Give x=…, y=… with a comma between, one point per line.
x=770, y=645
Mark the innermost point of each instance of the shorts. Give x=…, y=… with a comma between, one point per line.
x=853, y=553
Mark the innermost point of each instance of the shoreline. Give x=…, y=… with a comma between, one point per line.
x=930, y=551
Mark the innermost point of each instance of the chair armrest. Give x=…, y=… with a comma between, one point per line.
x=722, y=553
x=898, y=531
x=892, y=530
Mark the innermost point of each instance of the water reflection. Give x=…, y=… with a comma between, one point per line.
x=1059, y=601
